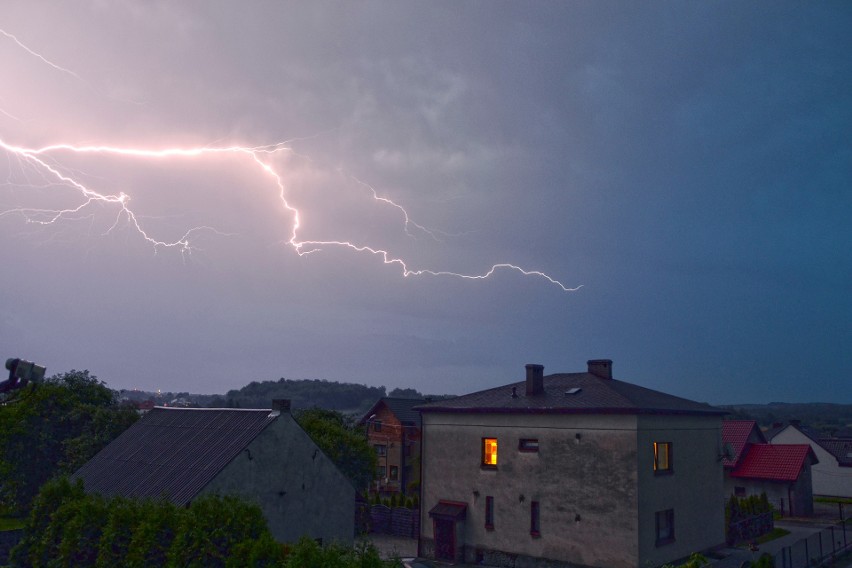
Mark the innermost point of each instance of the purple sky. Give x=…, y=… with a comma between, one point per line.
x=688, y=164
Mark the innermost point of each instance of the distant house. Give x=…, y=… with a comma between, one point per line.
x=263, y=456
x=753, y=467
x=570, y=469
x=832, y=476
x=393, y=429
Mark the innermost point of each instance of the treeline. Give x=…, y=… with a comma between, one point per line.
x=331, y=395
x=823, y=417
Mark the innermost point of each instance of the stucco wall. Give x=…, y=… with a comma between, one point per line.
x=586, y=488
x=694, y=489
x=828, y=478
x=300, y=491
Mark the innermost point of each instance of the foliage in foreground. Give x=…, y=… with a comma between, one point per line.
x=66, y=527
x=54, y=428
x=695, y=561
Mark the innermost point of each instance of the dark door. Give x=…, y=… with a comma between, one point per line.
x=445, y=539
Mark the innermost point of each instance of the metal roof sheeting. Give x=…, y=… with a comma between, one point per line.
x=172, y=453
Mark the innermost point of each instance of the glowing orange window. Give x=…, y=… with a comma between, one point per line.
x=662, y=457
x=489, y=452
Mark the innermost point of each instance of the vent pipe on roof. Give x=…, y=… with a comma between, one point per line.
x=281, y=404
x=601, y=368
x=535, y=379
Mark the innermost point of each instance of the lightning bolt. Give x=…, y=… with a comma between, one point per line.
x=43, y=162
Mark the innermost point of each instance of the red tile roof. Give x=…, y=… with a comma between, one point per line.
x=774, y=462
x=736, y=433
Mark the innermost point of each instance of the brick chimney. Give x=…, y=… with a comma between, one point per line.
x=281, y=405
x=535, y=379
x=601, y=368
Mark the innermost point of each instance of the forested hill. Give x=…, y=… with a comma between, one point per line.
x=348, y=398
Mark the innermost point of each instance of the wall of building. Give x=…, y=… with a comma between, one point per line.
x=300, y=491
x=586, y=486
x=693, y=490
x=395, y=436
x=828, y=477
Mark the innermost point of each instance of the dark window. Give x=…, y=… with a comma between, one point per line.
x=381, y=449
x=380, y=472
x=489, y=512
x=739, y=491
x=535, y=521
x=662, y=457
x=377, y=426
x=665, y=527
x=489, y=452
x=528, y=444
x=394, y=473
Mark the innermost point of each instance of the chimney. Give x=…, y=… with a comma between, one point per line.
x=601, y=368
x=281, y=404
x=535, y=379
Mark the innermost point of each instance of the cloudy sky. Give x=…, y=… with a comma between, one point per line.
x=684, y=166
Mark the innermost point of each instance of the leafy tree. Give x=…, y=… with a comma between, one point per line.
x=54, y=428
x=344, y=443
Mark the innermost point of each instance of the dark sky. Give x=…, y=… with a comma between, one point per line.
x=688, y=164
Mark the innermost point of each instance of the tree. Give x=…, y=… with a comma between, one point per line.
x=54, y=428
x=342, y=442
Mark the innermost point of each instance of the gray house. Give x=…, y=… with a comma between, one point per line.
x=263, y=456
x=570, y=469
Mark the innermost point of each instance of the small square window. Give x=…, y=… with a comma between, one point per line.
x=662, y=457
x=489, y=452
x=528, y=445
x=535, y=520
x=381, y=449
x=489, y=512
x=664, y=527
x=394, y=473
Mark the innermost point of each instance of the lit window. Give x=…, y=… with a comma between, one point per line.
x=528, y=445
x=662, y=457
x=489, y=512
x=665, y=526
x=535, y=522
x=489, y=452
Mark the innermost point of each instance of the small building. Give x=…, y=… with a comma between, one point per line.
x=832, y=476
x=393, y=429
x=263, y=456
x=570, y=469
x=782, y=471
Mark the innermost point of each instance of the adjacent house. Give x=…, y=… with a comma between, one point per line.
x=832, y=475
x=570, y=469
x=753, y=466
x=393, y=429
x=263, y=456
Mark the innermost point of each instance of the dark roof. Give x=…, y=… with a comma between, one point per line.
x=839, y=448
x=595, y=395
x=402, y=408
x=449, y=510
x=172, y=452
x=737, y=434
x=774, y=462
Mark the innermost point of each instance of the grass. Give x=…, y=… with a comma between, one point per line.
x=844, y=500
x=11, y=523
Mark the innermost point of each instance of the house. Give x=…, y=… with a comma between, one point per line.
x=263, y=456
x=832, y=476
x=570, y=469
x=752, y=466
x=393, y=429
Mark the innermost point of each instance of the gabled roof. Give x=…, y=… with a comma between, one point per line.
x=589, y=394
x=841, y=449
x=737, y=434
x=172, y=453
x=774, y=462
x=402, y=408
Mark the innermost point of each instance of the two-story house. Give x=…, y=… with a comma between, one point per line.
x=393, y=429
x=570, y=469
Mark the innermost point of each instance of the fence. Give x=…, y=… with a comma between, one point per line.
x=397, y=521
x=817, y=549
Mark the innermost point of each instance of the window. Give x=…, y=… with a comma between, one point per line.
x=528, y=445
x=535, y=522
x=739, y=491
x=380, y=472
x=489, y=452
x=377, y=426
x=381, y=449
x=489, y=512
x=662, y=457
x=665, y=527
x=394, y=473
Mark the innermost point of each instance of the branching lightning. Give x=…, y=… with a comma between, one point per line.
x=44, y=162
